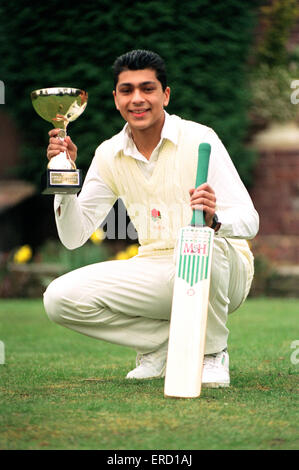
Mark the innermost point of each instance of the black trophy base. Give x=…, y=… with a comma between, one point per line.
x=61, y=181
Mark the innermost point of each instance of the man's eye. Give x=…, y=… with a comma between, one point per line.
x=148, y=89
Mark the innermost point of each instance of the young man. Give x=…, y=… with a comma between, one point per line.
x=151, y=165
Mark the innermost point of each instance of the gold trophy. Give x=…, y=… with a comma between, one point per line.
x=60, y=106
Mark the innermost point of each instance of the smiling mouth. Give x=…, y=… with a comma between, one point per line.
x=139, y=112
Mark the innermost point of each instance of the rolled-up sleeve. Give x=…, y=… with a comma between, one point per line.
x=234, y=207
x=78, y=217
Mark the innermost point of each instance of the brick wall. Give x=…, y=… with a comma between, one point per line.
x=276, y=197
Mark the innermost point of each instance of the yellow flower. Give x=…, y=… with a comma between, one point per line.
x=121, y=255
x=23, y=254
x=132, y=250
x=98, y=236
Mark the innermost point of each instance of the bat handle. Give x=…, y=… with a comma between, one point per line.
x=204, y=150
x=198, y=218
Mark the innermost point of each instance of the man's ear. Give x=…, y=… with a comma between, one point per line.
x=115, y=100
x=166, y=96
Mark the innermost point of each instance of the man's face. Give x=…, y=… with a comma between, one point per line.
x=140, y=99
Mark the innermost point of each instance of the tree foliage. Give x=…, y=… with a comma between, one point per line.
x=277, y=18
x=275, y=65
x=205, y=45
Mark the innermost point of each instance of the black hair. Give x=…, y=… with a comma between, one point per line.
x=139, y=60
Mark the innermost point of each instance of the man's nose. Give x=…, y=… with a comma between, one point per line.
x=137, y=96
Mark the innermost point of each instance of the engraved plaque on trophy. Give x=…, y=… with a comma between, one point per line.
x=60, y=106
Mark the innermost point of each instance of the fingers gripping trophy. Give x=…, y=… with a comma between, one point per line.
x=60, y=106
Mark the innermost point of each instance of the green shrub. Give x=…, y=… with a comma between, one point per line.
x=275, y=65
x=205, y=45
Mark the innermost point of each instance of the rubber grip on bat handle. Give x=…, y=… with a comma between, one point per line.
x=204, y=151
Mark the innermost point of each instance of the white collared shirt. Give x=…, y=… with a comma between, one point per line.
x=127, y=145
x=80, y=216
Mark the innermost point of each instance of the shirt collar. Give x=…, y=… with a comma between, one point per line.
x=124, y=141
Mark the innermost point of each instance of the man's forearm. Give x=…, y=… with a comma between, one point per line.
x=238, y=223
x=75, y=221
x=78, y=217
x=69, y=221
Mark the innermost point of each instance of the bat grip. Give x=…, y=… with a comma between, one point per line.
x=204, y=150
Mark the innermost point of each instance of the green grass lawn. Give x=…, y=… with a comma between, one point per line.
x=63, y=390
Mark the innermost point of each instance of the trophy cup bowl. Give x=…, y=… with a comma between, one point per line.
x=60, y=106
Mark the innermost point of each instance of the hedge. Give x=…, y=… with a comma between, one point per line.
x=205, y=45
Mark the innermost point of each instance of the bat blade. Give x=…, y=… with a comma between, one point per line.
x=189, y=313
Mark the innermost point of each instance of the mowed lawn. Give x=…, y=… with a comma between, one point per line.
x=63, y=390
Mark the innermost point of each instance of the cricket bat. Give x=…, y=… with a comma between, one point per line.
x=190, y=299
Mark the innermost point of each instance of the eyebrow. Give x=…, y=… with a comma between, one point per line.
x=140, y=84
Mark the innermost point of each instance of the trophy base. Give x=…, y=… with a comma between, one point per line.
x=61, y=181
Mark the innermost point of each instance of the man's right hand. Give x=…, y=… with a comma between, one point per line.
x=56, y=145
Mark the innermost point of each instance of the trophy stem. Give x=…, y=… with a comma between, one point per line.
x=65, y=155
x=62, y=134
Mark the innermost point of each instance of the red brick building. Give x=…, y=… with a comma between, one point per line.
x=276, y=195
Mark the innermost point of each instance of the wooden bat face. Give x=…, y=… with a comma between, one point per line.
x=189, y=312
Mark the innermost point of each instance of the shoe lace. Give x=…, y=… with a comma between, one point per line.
x=212, y=361
x=142, y=359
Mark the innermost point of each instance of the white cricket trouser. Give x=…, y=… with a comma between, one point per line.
x=128, y=302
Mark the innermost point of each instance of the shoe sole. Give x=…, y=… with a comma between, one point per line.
x=161, y=375
x=145, y=378
x=215, y=385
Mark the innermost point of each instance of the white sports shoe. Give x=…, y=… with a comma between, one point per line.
x=215, y=372
x=150, y=365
